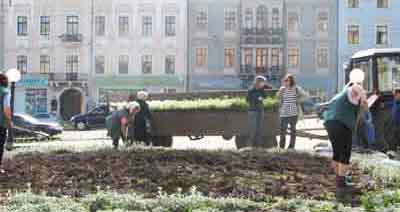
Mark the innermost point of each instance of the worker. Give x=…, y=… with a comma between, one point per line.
x=290, y=97
x=340, y=122
x=392, y=124
x=5, y=115
x=143, y=119
x=255, y=98
x=117, y=122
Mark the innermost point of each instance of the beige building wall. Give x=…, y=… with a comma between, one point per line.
x=87, y=83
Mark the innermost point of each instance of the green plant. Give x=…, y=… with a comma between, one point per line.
x=238, y=103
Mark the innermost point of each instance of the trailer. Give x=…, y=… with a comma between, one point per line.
x=197, y=124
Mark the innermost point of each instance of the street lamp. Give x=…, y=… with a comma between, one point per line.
x=13, y=76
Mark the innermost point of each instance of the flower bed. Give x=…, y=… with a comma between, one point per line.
x=238, y=103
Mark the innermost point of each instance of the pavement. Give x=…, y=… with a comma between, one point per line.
x=98, y=139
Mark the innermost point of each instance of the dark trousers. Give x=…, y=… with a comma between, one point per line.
x=3, y=139
x=285, y=122
x=256, y=128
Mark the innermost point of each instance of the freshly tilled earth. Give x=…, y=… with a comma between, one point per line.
x=254, y=174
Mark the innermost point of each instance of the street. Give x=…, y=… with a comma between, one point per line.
x=93, y=139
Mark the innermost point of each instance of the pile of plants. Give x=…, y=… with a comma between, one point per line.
x=237, y=103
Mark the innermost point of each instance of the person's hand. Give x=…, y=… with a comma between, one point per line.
x=10, y=125
x=364, y=104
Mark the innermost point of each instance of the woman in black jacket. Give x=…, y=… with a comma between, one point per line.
x=142, y=132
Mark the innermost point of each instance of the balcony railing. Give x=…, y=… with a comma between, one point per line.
x=249, y=72
x=68, y=77
x=76, y=38
x=262, y=36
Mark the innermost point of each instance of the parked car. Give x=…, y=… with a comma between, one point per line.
x=46, y=117
x=96, y=118
x=310, y=105
x=28, y=122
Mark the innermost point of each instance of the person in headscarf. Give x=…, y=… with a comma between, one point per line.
x=142, y=126
x=340, y=122
x=117, y=122
x=5, y=115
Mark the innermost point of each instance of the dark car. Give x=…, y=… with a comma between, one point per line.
x=95, y=118
x=28, y=122
x=310, y=105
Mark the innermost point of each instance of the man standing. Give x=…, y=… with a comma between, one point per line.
x=255, y=98
x=5, y=115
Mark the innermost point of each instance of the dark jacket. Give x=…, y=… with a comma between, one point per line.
x=142, y=122
x=255, y=99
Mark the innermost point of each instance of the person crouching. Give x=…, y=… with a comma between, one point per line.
x=117, y=122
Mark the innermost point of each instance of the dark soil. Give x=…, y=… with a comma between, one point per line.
x=250, y=174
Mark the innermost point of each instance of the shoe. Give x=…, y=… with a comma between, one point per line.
x=2, y=171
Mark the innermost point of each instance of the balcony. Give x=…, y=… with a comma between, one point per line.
x=71, y=38
x=68, y=77
x=253, y=36
x=248, y=72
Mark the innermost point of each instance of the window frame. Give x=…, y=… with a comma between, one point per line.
x=72, y=64
x=22, y=26
x=294, y=57
x=123, y=26
x=201, y=56
x=22, y=63
x=100, y=25
x=377, y=34
x=261, y=18
x=322, y=22
x=382, y=6
x=230, y=19
x=100, y=64
x=123, y=58
x=323, y=53
x=45, y=25
x=351, y=37
x=168, y=64
x=229, y=57
x=261, y=58
x=353, y=4
x=44, y=64
x=202, y=19
x=147, y=26
x=276, y=56
x=293, y=15
x=276, y=22
x=72, y=25
x=147, y=64
x=170, y=26
x=248, y=56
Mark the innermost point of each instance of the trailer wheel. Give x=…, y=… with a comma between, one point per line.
x=227, y=136
x=162, y=141
x=241, y=141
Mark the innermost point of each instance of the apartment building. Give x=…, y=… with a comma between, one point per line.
x=262, y=41
x=366, y=24
x=214, y=44
x=311, y=43
x=76, y=53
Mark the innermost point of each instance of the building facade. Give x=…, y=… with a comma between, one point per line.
x=214, y=44
x=311, y=43
x=139, y=45
x=380, y=28
x=262, y=41
x=74, y=53
x=2, y=25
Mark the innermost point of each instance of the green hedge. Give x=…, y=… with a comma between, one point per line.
x=237, y=104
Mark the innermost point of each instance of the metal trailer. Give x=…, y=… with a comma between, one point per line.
x=198, y=124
